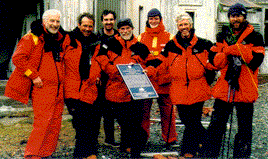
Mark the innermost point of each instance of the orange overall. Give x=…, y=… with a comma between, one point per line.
x=32, y=61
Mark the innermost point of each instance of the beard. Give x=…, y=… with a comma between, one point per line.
x=235, y=26
x=185, y=33
x=127, y=36
x=86, y=33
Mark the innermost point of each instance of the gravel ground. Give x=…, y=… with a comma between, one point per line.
x=156, y=143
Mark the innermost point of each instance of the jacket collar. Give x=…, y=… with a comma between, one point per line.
x=249, y=29
x=38, y=29
x=185, y=43
x=79, y=36
x=158, y=29
x=58, y=36
x=101, y=32
x=245, y=31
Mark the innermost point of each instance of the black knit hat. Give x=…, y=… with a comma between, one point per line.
x=124, y=22
x=237, y=9
x=154, y=12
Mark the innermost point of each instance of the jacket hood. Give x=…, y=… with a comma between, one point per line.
x=185, y=42
x=156, y=30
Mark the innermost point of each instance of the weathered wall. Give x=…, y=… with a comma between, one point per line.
x=70, y=10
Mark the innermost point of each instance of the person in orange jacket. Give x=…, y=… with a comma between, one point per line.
x=80, y=90
x=186, y=61
x=240, y=51
x=124, y=49
x=155, y=38
x=39, y=62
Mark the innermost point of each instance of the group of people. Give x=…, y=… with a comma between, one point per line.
x=78, y=68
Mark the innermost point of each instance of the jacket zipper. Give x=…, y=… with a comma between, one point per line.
x=58, y=91
x=187, y=78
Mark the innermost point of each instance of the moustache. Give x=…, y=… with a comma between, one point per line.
x=88, y=31
x=236, y=21
x=184, y=30
x=54, y=27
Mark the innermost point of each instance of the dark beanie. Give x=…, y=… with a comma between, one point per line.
x=154, y=12
x=237, y=9
x=124, y=22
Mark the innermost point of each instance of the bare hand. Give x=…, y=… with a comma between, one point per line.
x=207, y=111
x=38, y=82
x=98, y=81
x=145, y=71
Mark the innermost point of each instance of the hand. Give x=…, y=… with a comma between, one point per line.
x=38, y=82
x=145, y=71
x=228, y=49
x=237, y=50
x=98, y=81
x=207, y=111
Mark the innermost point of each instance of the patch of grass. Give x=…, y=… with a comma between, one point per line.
x=11, y=137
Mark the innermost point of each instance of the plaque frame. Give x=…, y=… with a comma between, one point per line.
x=137, y=82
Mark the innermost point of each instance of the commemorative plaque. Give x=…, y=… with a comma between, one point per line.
x=137, y=81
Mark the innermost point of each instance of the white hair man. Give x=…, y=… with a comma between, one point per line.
x=51, y=20
x=38, y=61
x=186, y=59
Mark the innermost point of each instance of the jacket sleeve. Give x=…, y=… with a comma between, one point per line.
x=211, y=55
x=169, y=53
x=258, y=52
x=245, y=51
x=251, y=53
x=106, y=64
x=220, y=59
x=151, y=66
x=22, y=55
x=163, y=74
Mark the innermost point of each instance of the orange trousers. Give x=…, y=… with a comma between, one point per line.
x=165, y=106
x=48, y=106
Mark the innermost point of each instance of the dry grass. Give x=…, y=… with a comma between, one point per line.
x=13, y=138
x=263, y=78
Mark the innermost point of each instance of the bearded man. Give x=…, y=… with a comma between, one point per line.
x=124, y=49
x=240, y=51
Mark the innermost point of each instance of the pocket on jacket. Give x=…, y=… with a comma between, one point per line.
x=19, y=83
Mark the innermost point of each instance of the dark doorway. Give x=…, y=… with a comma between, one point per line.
x=192, y=15
x=12, y=26
x=265, y=27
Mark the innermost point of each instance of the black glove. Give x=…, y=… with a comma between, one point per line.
x=233, y=72
x=155, y=63
x=140, y=49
